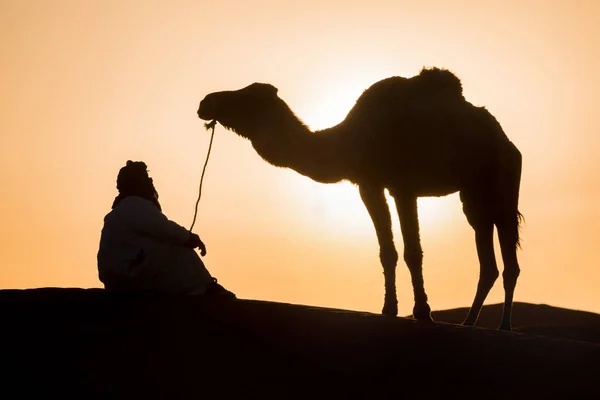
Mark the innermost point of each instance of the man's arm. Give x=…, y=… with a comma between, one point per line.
x=144, y=217
x=195, y=242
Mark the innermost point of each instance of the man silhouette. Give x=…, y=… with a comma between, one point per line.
x=142, y=250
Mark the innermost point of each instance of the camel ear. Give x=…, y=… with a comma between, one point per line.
x=261, y=90
x=270, y=89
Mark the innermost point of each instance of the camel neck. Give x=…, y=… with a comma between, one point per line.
x=317, y=155
x=320, y=156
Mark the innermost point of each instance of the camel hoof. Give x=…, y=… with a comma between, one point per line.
x=422, y=312
x=390, y=310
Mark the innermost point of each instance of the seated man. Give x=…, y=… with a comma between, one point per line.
x=142, y=250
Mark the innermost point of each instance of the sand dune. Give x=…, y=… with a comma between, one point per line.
x=536, y=319
x=90, y=344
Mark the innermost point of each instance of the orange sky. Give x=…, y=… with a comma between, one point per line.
x=87, y=85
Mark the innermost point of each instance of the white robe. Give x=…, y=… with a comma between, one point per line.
x=141, y=249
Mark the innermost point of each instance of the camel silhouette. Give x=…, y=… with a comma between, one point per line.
x=415, y=137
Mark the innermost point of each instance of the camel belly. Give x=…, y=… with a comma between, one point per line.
x=433, y=156
x=425, y=183
x=428, y=172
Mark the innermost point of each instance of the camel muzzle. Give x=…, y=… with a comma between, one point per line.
x=203, y=113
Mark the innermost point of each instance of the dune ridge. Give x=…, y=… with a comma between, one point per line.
x=86, y=342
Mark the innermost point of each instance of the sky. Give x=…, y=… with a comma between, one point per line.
x=87, y=85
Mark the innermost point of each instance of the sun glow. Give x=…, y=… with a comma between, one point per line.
x=336, y=100
x=339, y=205
x=338, y=210
x=434, y=211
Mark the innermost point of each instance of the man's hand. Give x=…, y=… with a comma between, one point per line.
x=202, y=248
x=195, y=242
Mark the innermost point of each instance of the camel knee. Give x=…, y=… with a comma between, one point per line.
x=389, y=258
x=413, y=258
x=510, y=276
x=489, y=276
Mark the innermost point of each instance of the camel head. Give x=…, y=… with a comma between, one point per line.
x=243, y=110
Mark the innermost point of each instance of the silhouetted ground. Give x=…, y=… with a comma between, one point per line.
x=89, y=344
x=534, y=319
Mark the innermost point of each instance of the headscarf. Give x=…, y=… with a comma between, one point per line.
x=133, y=180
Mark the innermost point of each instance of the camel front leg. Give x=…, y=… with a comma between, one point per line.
x=374, y=200
x=413, y=253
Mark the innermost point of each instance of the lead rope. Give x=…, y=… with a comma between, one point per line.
x=208, y=125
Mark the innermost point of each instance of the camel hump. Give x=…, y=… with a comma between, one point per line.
x=431, y=85
x=440, y=81
x=394, y=96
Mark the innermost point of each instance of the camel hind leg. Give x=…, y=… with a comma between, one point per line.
x=488, y=269
x=509, y=239
x=507, y=222
x=480, y=217
x=483, y=213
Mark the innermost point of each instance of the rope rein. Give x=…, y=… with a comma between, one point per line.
x=208, y=125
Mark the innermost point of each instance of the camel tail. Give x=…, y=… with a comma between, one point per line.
x=514, y=192
x=520, y=220
x=510, y=219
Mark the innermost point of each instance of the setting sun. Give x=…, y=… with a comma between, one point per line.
x=89, y=85
x=336, y=100
x=433, y=212
x=293, y=274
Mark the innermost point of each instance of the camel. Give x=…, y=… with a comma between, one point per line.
x=415, y=137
